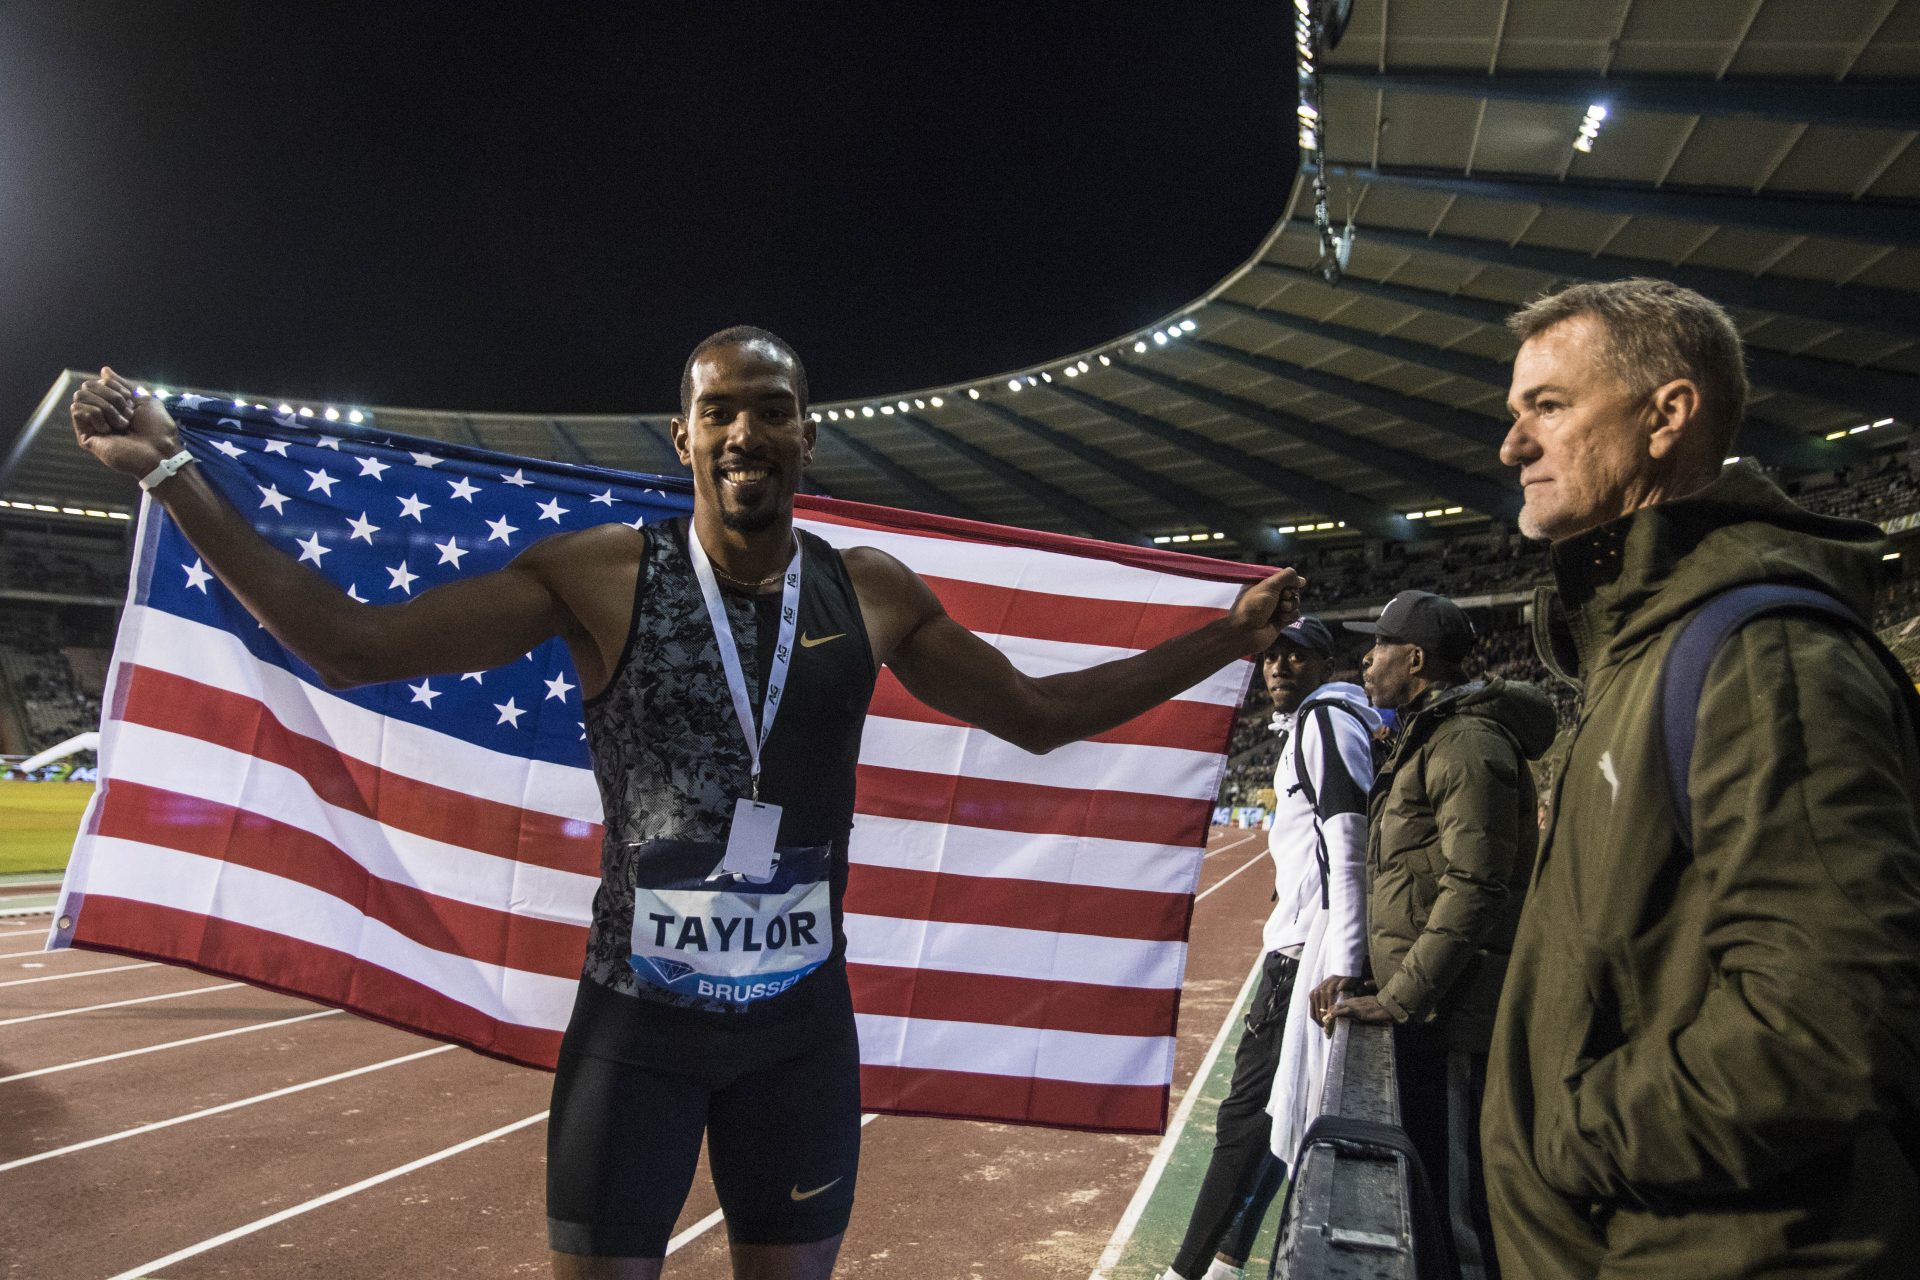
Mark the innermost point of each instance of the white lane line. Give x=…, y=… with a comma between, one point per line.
x=84, y=973
x=1253, y=861
x=171, y=1044
x=119, y=1004
x=319, y=1202
x=1158, y=1165
x=42, y=951
x=25, y=933
x=1232, y=845
x=224, y=1107
x=713, y=1219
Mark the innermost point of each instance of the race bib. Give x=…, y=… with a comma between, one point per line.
x=700, y=931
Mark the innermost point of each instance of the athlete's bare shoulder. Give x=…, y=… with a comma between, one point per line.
x=592, y=573
x=893, y=598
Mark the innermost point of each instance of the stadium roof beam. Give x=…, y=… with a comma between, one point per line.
x=931, y=496
x=1886, y=310
x=1486, y=496
x=1248, y=531
x=1772, y=443
x=661, y=440
x=1873, y=104
x=1089, y=517
x=569, y=446
x=1317, y=496
x=1458, y=363
x=1462, y=424
x=1876, y=222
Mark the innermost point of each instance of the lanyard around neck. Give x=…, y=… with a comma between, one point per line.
x=730, y=651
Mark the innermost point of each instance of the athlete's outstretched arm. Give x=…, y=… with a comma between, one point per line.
x=469, y=625
x=950, y=669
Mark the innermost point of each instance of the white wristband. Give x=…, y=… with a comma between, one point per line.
x=166, y=470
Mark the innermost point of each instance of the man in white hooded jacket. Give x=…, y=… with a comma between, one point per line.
x=1318, y=925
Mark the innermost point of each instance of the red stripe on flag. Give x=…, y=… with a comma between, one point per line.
x=149, y=815
x=1040, y=615
x=943, y=996
x=1189, y=726
x=161, y=700
x=1031, y=807
x=861, y=515
x=1059, y=1104
x=297, y=968
x=1046, y=905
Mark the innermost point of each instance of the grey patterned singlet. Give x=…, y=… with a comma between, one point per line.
x=667, y=750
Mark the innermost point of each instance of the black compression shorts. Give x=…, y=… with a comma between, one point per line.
x=776, y=1090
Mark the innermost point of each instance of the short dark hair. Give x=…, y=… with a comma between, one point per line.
x=742, y=335
x=1655, y=331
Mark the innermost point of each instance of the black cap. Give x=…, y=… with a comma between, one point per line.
x=1310, y=634
x=1433, y=622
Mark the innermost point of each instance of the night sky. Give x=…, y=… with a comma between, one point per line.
x=541, y=207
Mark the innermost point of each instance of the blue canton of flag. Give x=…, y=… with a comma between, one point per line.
x=385, y=518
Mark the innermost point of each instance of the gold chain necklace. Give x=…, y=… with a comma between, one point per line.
x=734, y=582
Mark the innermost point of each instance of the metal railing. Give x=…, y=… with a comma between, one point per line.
x=1350, y=1213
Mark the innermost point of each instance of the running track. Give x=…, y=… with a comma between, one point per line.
x=151, y=1115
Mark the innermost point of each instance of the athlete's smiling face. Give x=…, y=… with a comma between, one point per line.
x=746, y=436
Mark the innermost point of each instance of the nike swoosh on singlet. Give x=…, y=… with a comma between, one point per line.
x=797, y=1193
x=808, y=642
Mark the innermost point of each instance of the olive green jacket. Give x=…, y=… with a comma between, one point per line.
x=1450, y=841
x=1702, y=1058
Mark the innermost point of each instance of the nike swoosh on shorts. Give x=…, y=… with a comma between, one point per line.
x=797, y=1193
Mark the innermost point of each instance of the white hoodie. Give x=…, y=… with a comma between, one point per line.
x=1339, y=783
x=1327, y=941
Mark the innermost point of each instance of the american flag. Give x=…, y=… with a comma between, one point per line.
x=425, y=852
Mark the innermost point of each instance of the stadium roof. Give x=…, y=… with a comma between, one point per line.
x=1763, y=153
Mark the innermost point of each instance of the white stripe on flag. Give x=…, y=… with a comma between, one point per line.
x=1078, y=1056
x=1014, y=855
x=212, y=656
x=241, y=895
x=1013, y=953
x=192, y=767
x=1224, y=687
x=1084, y=766
x=1059, y=573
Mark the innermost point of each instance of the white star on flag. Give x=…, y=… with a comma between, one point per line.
x=402, y=580
x=277, y=446
x=321, y=481
x=604, y=498
x=552, y=510
x=328, y=442
x=229, y=448
x=413, y=507
x=558, y=687
x=518, y=479
x=424, y=692
x=450, y=552
x=310, y=548
x=463, y=490
x=373, y=467
x=197, y=577
x=362, y=529
x=509, y=714
x=478, y=677
x=638, y=522
x=501, y=531
x=187, y=400
x=270, y=496
x=426, y=460
x=353, y=593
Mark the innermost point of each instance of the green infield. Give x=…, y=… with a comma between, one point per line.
x=38, y=821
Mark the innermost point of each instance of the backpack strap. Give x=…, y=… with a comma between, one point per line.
x=1328, y=743
x=1683, y=675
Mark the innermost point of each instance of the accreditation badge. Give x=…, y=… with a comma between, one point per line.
x=703, y=932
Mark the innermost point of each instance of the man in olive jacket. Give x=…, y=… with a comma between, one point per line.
x=1450, y=847
x=1706, y=1060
